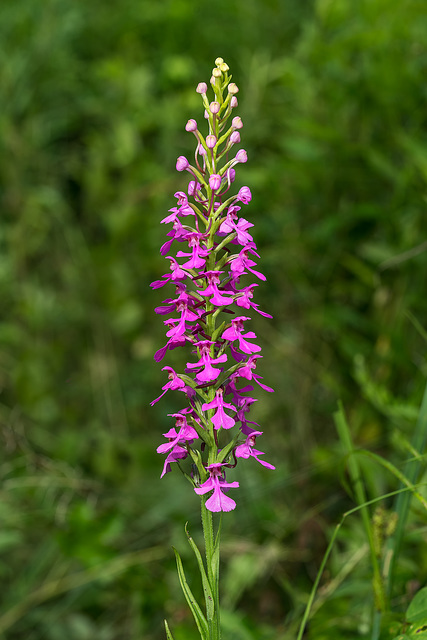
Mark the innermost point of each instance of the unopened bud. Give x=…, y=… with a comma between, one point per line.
x=182, y=163
x=191, y=125
x=224, y=67
x=216, y=73
x=237, y=123
x=193, y=187
x=233, y=102
x=233, y=88
x=202, y=87
x=214, y=181
x=241, y=156
x=231, y=174
x=201, y=150
x=214, y=107
x=235, y=137
x=219, y=61
x=210, y=141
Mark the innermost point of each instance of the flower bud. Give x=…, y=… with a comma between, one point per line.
x=193, y=187
x=182, y=163
x=206, y=114
x=235, y=137
x=202, y=87
x=191, y=125
x=219, y=61
x=201, y=150
x=231, y=175
x=244, y=195
x=214, y=107
x=224, y=67
x=233, y=88
x=233, y=102
x=216, y=73
x=236, y=122
x=210, y=141
x=241, y=156
x=215, y=181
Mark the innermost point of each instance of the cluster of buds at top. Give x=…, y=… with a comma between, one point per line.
x=211, y=305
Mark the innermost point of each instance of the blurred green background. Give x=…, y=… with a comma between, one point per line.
x=94, y=98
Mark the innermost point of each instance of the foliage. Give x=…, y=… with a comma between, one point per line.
x=93, y=99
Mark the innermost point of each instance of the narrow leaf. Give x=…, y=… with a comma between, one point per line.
x=169, y=636
x=199, y=618
x=210, y=603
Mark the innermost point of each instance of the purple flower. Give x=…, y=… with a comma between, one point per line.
x=210, y=285
x=235, y=333
x=215, y=182
x=242, y=262
x=198, y=254
x=217, y=483
x=220, y=418
x=247, y=450
x=208, y=372
x=175, y=382
x=182, y=163
x=244, y=195
x=185, y=433
x=246, y=371
x=177, y=453
x=218, y=298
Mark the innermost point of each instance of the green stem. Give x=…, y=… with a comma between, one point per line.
x=212, y=564
x=359, y=490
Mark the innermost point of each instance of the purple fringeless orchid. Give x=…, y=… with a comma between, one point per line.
x=211, y=262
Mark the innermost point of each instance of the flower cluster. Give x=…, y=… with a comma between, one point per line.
x=210, y=304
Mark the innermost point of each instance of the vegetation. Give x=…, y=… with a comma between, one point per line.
x=93, y=101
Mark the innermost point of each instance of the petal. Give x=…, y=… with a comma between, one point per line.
x=220, y=502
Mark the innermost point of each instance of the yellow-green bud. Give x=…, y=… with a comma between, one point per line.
x=219, y=61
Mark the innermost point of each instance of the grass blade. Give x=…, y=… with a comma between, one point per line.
x=403, y=501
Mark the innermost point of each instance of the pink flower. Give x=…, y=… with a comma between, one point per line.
x=208, y=372
x=247, y=450
x=218, y=298
x=182, y=163
x=220, y=418
x=175, y=382
x=217, y=483
x=235, y=333
x=185, y=433
x=244, y=195
x=214, y=181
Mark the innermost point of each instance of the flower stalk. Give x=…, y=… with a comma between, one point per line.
x=209, y=319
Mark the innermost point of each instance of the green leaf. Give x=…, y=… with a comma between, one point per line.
x=417, y=609
x=418, y=630
x=210, y=603
x=169, y=636
x=200, y=619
